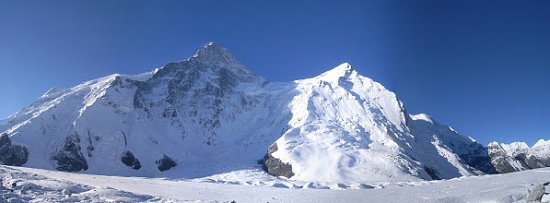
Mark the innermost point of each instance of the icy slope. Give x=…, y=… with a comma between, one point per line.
x=346, y=127
x=519, y=156
x=42, y=185
x=209, y=115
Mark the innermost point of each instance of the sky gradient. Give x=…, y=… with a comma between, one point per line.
x=481, y=67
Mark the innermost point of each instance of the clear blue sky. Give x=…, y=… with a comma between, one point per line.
x=482, y=67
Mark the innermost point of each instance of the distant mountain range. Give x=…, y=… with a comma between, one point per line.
x=209, y=114
x=519, y=156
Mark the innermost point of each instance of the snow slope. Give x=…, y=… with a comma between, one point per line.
x=43, y=185
x=209, y=115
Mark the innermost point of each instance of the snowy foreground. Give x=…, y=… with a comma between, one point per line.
x=36, y=185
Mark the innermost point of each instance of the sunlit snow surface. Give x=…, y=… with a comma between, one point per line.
x=38, y=185
x=213, y=116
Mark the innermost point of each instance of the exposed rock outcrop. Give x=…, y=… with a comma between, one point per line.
x=432, y=172
x=519, y=156
x=13, y=155
x=130, y=160
x=478, y=158
x=69, y=157
x=275, y=166
x=166, y=163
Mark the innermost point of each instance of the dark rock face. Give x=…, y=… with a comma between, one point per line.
x=165, y=163
x=13, y=155
x=505, y=163
x=4, y=140
x=70, y=158
x=275, y=166
x=130, y=160
x=479, y=159
x=538, y=162
x=432, y=172
x=499, y=159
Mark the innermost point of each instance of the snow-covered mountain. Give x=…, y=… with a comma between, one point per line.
x=519, y=156
x=209, y=115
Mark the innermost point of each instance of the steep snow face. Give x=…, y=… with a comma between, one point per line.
x=327, y=136
x=450, y=145
x=209, y=115
x=519, y=156
x=44, y=127
x=346, y=127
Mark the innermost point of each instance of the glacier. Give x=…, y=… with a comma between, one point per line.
x=20, y=184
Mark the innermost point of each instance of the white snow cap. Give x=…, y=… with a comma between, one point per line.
x=340, y=70
x=343, y=70
x=493, y=143
x=422, y=116
x=541, y=143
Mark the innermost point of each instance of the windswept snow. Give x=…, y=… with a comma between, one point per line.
x=541, y=149
x=36, y=185
x=19, y=185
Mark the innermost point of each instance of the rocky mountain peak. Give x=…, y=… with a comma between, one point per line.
x=214, y=54
x=518, y=156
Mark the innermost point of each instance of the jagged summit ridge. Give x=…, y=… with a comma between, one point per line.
x=216, y=60
x=518, y=156
x=209, y=115
x=214, y=53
